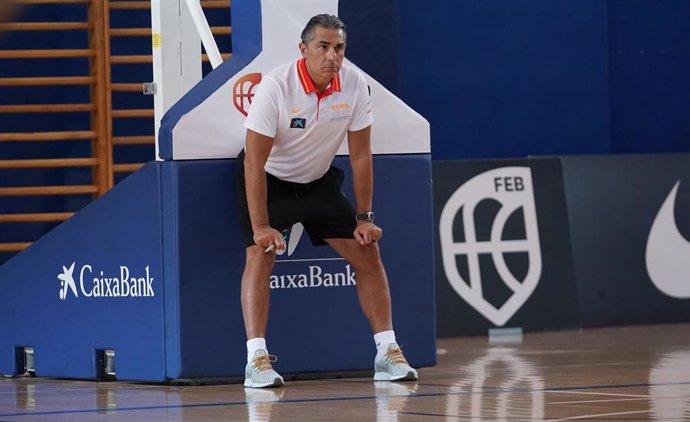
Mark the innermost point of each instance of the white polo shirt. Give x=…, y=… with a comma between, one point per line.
x=307, y=128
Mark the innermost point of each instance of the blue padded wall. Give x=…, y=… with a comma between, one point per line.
x=209, y=258
x=175, y=223
x=120, y=229
x=613, y=202
x=204, y=252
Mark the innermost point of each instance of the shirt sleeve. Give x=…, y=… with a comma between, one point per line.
x=265, y=109
x=361, y=116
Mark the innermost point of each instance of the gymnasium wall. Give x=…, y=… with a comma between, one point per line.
x=508, y=78
x=28, y=122
x=650, y=75
x=495, y=79
x=518, y=78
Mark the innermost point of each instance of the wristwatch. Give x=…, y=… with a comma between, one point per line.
x=366, y=216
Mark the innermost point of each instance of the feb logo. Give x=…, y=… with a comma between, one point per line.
x=510, y=194
x=243, y=91
x=668, y=252
x=503, y=376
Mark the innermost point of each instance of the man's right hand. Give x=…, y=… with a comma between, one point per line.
x=266, y=236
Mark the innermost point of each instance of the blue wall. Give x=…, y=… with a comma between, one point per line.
x=508, y=78
x=650, y=75
x=528, y=77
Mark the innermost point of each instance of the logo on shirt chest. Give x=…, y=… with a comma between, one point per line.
x=298, y=123
x=341, y=106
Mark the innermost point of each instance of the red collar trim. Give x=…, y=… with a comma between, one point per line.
x=307, y=83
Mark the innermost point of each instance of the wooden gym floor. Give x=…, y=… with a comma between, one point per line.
x=638, y=373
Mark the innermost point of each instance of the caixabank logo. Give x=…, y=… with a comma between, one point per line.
x=91, y=283
x=668, y=252
x=488, y=229
x=294, y=272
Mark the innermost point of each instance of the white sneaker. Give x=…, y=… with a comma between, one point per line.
x=259, y=372
x=392, y=366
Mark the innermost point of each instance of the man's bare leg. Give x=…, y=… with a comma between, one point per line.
x=375, y=300
x=256, y=290
x=256, y=293
x=372, y=283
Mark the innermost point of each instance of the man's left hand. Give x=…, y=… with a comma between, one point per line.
x=366, y=232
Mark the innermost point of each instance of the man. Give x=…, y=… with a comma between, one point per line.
x=298, y=119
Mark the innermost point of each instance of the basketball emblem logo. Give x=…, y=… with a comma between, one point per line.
x=475, y=257
x=243, y=91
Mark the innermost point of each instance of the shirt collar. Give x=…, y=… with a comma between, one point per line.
x=307, y=83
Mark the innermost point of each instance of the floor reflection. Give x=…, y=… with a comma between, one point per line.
x=25, y=396
x=391, y=398
x=57, y=399
x=635, y=373
x=669, y=387
x=106, y=401
x=493, y=387
x=260, y=402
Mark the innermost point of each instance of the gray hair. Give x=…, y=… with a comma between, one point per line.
x=324, y=20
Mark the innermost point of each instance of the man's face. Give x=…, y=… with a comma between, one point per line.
x=324, y=54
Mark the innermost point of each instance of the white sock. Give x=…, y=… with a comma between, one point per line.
x=383, y=339
x=254, y=344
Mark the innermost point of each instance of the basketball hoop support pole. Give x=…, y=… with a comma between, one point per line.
x=204, y=31
x=177, y=29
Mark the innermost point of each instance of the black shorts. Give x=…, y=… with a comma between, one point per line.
x=321, y=206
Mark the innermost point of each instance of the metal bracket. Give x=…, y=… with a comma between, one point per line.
x=105, y=365
x=150, y=88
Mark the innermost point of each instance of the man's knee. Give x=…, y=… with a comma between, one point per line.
x=258, y=258
x=367, y=257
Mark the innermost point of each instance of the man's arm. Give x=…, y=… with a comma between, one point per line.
x=359, y=144
x=257, y=149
